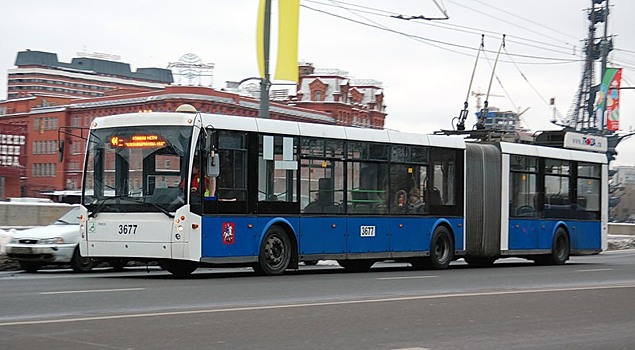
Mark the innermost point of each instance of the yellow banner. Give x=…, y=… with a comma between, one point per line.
x=260, y=40
x=288, y=20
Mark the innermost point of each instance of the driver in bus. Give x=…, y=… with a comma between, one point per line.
x=210, y=183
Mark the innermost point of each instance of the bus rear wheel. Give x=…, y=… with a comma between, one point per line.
x=441, y=248
x=560, y=250
x=275, y=252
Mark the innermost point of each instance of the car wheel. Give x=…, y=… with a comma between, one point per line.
x=29, y=266
x=80, y=263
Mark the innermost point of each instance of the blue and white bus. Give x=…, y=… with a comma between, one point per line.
x=273, y=194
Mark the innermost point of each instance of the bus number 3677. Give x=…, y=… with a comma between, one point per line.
x=127, y=229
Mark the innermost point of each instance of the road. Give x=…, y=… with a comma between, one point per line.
x=587, y=303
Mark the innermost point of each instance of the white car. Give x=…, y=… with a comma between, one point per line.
x=55, y=244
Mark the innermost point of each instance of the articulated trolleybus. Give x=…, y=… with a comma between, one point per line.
x=189, y=190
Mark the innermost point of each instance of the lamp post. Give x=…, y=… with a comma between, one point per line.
x=265, y=83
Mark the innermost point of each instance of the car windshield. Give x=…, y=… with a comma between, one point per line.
x=70, y=218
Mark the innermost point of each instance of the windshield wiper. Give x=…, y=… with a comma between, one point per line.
x=163, y=210
x=102, y=204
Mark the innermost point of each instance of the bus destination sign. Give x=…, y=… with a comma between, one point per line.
x=137, y=141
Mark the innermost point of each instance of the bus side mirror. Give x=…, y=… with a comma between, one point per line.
x=61, y=151
x=213, y=165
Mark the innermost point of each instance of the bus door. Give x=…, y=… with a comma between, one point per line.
x=525, y=203
x=368, y=198
x=228, y=211
x=322, y=211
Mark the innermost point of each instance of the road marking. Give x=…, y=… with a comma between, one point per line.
x=92, y=291
x=593, y=270
x=328, y=303
x=406, y=278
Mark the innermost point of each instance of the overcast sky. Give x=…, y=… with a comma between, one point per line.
x=425, y=66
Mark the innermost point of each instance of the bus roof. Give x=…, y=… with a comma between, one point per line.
x=143, y=119
x=329, y=131
x=552, y=152
x=229, y=122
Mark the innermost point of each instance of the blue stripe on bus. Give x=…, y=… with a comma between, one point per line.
x=538, y=234
x=326, y=235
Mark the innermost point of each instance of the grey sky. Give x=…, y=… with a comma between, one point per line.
x=425, y=82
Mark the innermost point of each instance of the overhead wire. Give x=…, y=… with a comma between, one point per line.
x=533, y=31
x=544, y=100
x=432, y=42
x=539, y=44
x=524, y=19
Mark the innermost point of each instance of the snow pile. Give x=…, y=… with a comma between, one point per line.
x=5, y=237
x=617, y=242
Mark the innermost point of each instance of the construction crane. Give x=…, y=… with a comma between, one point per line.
x=478, y=94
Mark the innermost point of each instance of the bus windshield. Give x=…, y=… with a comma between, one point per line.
x=136, y=169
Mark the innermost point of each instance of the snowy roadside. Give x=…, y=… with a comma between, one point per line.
x=618, y=242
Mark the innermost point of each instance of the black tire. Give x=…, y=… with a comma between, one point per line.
x=356, y=265
x=560, y=249
x=81, y=264
x=441, y=248
x=479, y=262
x=275, y=252
x=310, y=262
x=179, y=268
x=29, y=266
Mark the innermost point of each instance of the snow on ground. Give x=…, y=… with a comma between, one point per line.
x=5, y=237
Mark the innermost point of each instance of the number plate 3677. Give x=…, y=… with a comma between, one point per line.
x=129, y=229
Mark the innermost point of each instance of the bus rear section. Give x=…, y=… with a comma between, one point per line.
x=534, y=202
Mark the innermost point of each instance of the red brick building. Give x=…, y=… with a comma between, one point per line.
x=44, y=118
x=354, y=102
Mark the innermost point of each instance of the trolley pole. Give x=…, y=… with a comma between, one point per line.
x=265, y=83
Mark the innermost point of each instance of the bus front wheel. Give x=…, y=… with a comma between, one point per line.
x=80, y=263
x=275, y=252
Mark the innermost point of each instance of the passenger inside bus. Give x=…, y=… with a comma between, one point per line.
x=415, y=203
x=400, y=202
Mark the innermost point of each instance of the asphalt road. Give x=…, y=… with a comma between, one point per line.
x=588, y=303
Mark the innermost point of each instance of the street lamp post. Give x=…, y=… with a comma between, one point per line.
x=265, y=83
